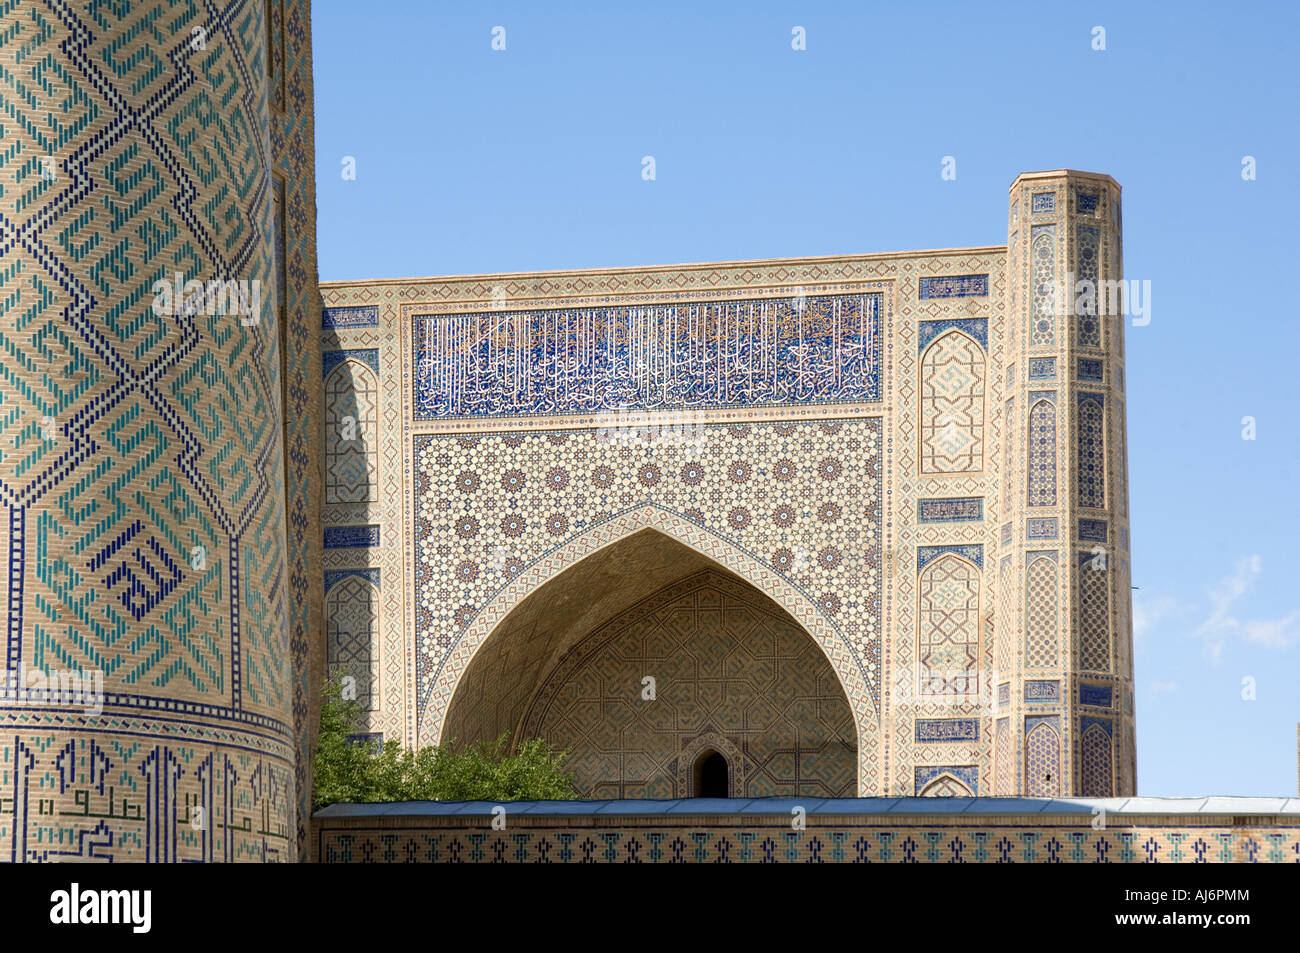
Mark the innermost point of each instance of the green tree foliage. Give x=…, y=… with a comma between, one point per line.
x=347, y=771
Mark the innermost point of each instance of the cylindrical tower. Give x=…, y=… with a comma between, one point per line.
x=146, y=712
x=1063, y=718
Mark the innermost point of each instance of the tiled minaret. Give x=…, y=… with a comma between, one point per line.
x=1063, y=716
x=159, y=615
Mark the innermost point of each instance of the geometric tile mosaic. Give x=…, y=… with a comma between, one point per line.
x=489, y=507
x=827, y=840
x=1089, y=322
x=727, y=664
x=1042, y=756
x=1042, y=454
x=928, y=331
x=202, y=509
x=947, y=781
x=1041, y=639
x=1094, y=641
x=953, y=381
x=150, y=464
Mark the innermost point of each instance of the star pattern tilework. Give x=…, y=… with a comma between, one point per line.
x=803, y=498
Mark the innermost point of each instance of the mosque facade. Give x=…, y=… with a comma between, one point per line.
x=855, y=525
x=816, y=527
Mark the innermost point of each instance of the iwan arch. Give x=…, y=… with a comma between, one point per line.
x=740, y=676
x=861, y=520
x=913, y=461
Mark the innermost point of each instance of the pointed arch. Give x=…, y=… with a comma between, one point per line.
x=724, y=665
x=953, y=382
x=1093, y=611
x=1002, y=758
x=1043, y=760
x=351, y=627
x=948, y=627
x=1096, y=762
x=495, y=617
x=1042, y=645
x=351, y=434
x=1009, y=458
x=1091, y=464
x=1007, y=618
x=1042, y=296
x=1042, y=453
x=699, y=748
x=945, y=785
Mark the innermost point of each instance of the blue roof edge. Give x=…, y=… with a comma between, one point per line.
x=866, y=807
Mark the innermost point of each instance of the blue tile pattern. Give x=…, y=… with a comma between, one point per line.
x=334, y=575
x=332, y=359
x=1087, y=721
x=967, y=774
x=972, y=551
x=749, y=353
x=1041, y=527
x=954, y=286
x=1042, y=693
x=1097, y=696
x=1089, y=270
x=1042, y=290
x=1042, y=450
x=1091, y=450
x=947, y=729
x=968, y=510
x=352, y=537
x=1042, y=368
x=366, y=316
x=927, y=331
x=1092, y=530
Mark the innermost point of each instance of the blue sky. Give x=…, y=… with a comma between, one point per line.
x=470, y=161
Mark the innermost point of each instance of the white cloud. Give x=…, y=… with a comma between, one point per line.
x=1160, y=688
x=1273, y=633
x=1223, y=621
x=1149, y=611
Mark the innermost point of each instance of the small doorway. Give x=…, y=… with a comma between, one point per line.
x=712, y=775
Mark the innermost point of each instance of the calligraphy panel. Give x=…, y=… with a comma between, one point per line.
x=686, y=356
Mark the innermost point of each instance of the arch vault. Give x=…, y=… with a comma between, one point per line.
x=526, y=648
